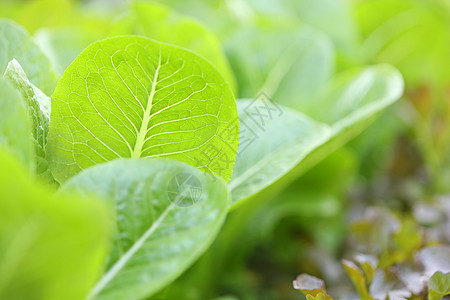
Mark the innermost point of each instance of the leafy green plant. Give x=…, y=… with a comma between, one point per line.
x=154, y=131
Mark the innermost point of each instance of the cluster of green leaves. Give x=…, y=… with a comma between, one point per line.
x=401, y=158
x=395, y=256
x=127, y=97
x=125, y=117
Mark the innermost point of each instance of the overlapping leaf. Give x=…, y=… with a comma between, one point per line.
x=15, y=43
x=15, y=127
x=38, y=109
x=292, y=75
x=290, y=143
x=269, y=149
x=51, y=247
x=167, y=214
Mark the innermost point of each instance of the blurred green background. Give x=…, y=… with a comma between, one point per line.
x=401, y=162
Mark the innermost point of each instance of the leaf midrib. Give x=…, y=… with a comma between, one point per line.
x=120, y=264
x=141, y=136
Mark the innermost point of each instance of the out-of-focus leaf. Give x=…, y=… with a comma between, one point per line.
x=350, y=104
x=356, y=95
x=211, y=11
x=434, y=259
x=411, y=35
x=407, y=240
x=39, y=106
x=319, y=296
x=438, y=286
x=15, y=127
x=303, y=70
x=36, y=14
x=131, y=97
x=264, y=154
x=388, y=286
x=160, y=23
x=411, y=276
x=312, y=287
x=333, y=17
x=63, y=44
x=358, y=279
x=167, y=214
x=15, y=43
x=373, y=232
x=51, y=247
x=292, y=75
x=9, y=8
x=368, y=264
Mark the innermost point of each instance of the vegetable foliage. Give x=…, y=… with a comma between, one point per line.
x=118, y=175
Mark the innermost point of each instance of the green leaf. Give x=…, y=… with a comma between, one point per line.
x=269, y=149
x=134, y=97
x=356, y=95
x=167, y=214
x=161, y=23
x=312, y=287
x=15, y=43
x=15, y=127
x=334, y=17
x=51, y=247
x=368, y=264
x=358, y=279
x=304, y=70
x=63, y=44
x=290, y=64
x=387, y=285
x=439, y=286
x=265, y=156
x=38, y=109
x=319, y=296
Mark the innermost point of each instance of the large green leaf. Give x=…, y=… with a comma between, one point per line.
x=167, y=214
x=38, y=108
x=15, y=43
x=269, y=150
x=51, y=247
x=160, y=23
x=439, y=286
x=134, y=97
x=15, y=127
x=284, y=145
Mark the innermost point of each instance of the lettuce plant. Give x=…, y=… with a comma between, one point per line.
x=146, y=144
